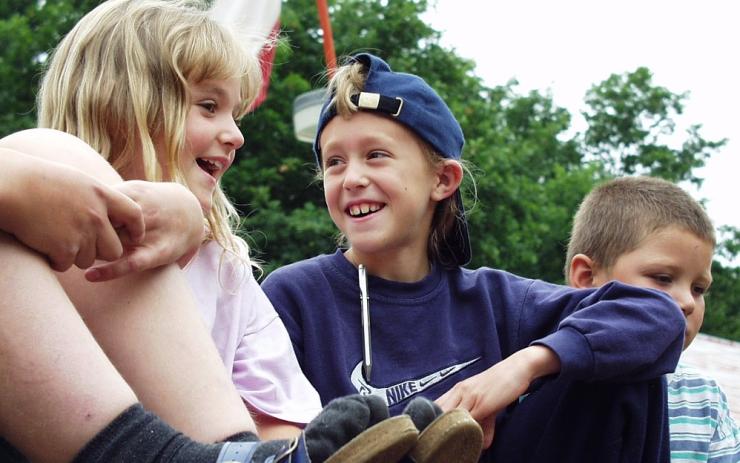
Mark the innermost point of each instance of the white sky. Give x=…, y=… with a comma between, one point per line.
x=568, y=45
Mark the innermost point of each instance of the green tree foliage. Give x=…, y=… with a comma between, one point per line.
x=629, y=121
x=28, y=30
x=722, y=316
x=530, y=172
x=512, y=142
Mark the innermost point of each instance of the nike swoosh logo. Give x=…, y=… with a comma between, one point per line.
x=401, y=391
x=423, y=382
x=441, y=373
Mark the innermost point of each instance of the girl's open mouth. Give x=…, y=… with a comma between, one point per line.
x=210, y=167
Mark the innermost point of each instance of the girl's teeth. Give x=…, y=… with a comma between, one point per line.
x=210, y=166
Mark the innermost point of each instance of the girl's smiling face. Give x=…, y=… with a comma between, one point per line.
x=211, y=136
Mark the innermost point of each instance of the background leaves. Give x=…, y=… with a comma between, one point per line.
x=530, y=171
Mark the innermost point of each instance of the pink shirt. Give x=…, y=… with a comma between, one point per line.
x=250, y=337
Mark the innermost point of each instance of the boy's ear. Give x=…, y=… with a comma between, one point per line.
x=449, y=176
x=581, y=272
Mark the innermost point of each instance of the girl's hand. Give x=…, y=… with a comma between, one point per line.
x=63, y=213
x=174, y=228
x=489, y=392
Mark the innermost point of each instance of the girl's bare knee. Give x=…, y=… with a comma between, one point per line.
x=61, y=147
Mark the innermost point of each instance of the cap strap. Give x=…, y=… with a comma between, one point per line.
x=378, y=102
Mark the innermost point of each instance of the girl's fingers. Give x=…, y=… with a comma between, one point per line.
x=61, y=258
x=86, y=254
x=124, y=212
x=109, y=271
x=138, y=259
x=109, y=246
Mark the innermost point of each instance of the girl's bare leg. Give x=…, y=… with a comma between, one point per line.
x=147, y=323
x=57, y=387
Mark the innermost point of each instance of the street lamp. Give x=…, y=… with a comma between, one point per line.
x=307, y=106
x=306, y=110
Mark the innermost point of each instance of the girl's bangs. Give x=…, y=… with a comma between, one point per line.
x=215, y=54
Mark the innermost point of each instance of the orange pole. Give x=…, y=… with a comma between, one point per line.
x=329, y=54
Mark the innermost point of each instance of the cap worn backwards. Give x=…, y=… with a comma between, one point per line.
x=409, y=100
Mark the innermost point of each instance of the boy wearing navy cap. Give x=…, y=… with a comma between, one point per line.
x=389, y=151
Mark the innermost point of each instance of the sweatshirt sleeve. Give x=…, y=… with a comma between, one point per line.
x=617, y=333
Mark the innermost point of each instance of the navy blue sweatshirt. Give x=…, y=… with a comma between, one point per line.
x=429, y=335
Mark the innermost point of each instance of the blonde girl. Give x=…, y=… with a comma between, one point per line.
x=156, y=87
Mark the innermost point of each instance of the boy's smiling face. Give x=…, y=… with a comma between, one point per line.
x=672, y=260
x=379, y=185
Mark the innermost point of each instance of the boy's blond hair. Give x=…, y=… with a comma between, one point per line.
x=617, y=215
x=119, y=81
x=349, y=80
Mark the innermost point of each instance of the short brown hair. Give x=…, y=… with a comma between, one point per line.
x=617, y=215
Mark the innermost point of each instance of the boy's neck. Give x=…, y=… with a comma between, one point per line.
x=404, y=267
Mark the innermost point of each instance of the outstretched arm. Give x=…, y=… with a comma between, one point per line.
x=617, y=333
x=488, y=393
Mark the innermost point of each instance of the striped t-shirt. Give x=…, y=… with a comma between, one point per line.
x=700, y=424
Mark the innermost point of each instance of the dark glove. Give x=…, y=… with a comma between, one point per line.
x=353, y=429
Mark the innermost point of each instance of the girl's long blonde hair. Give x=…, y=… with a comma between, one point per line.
x=119, y=81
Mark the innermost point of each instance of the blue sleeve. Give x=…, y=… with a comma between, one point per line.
x=618, y=332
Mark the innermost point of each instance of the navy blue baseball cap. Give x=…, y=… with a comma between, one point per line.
x=409, y=100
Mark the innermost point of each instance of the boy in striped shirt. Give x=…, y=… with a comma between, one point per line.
x=648, y=232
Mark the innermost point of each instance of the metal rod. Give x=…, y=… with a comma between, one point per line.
x=329, y=53
x=367, y=354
